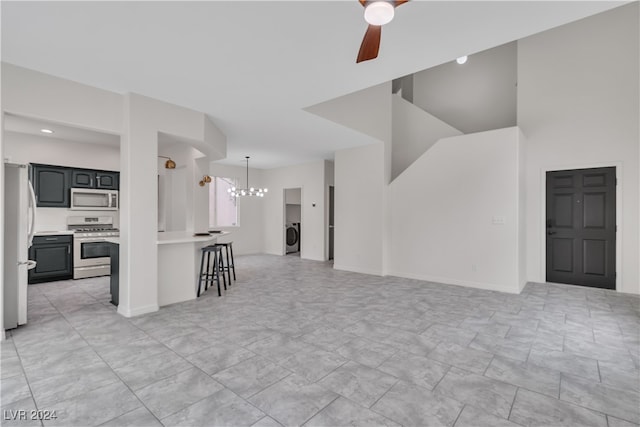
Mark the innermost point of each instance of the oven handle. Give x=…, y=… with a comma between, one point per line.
x=89, y=239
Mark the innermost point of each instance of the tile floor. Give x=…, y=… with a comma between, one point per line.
x=294, y=342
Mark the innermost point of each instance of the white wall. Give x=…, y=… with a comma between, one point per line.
x=293, y=196
x=145, y=119
x=248, y=236
x=200, y=194
x=367, y=111
x=578, y=101
x=359, y=209
x=293, y=213
x=310, y=177
x=186, y=204
x=414, y=131
x=522, y=210
x=477, y=96
x=33, y=94
x=443, y=209
x=23, y=148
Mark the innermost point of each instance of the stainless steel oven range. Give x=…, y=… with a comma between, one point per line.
x=90, y=250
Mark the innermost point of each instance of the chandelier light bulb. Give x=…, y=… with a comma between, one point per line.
x=379, y=13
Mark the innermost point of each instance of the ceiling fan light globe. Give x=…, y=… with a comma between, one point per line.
x=379, y=13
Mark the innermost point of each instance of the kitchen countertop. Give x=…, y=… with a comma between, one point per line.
x=170, y=237
x=52, y=233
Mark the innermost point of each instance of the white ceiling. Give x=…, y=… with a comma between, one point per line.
x=254, y=66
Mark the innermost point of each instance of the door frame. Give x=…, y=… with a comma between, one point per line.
x=284, y=217
x=542, y=231
x=327, y=225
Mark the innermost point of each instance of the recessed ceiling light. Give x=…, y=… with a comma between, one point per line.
x=462, y=60
x=46, y=131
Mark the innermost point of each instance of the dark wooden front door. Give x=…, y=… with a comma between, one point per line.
x=581, y=227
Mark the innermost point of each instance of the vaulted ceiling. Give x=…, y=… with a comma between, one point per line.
x=253, y=66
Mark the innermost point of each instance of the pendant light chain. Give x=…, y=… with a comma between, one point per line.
x=247, y=160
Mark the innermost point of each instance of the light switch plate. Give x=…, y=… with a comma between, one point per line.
x=498, y=220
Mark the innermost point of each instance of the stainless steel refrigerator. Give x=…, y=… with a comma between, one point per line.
x=19, y=221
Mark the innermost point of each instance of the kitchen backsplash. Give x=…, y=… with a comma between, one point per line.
x=55, y=219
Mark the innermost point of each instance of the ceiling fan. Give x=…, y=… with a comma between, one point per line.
x=376, y=13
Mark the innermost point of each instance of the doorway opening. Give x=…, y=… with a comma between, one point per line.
x=292, y=221
x=331, y=221
x=581, y=227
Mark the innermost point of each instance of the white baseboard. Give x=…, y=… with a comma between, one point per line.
x=357, y=270
x=127, y=312
x=449, y=281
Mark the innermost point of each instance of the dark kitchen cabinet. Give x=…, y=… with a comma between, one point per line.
x=52, y=185
x=85, y=178
x=81, y=178
x=53, y=256
x=107, y=180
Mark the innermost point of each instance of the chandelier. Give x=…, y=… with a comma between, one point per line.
x=249, y=191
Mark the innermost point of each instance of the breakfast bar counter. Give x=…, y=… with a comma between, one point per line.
x=173, y=237
x=179, y=264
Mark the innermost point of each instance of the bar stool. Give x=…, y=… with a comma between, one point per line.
x=231, y=264
x=210, y=272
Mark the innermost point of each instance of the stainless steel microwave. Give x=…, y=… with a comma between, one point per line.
x=88, y=199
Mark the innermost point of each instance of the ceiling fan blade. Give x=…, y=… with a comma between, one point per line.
x=370, y=43
x=363, y=2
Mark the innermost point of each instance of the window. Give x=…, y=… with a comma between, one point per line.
x=223, y=209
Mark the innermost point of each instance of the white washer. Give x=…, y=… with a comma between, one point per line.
x=293, y=237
